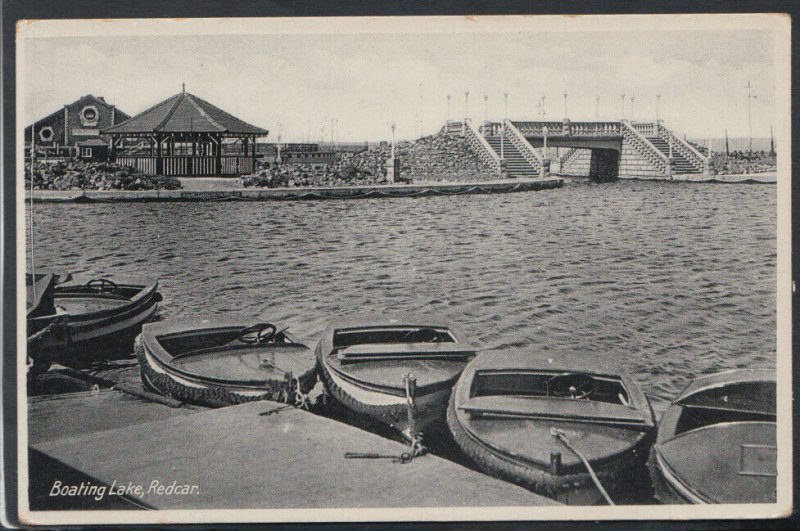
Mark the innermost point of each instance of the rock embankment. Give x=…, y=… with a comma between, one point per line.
x=76, y=175
x=738, y=163
x=442, y=157
x=439, y=157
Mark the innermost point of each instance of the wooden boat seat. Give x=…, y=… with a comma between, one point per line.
x=394, y=351
x=568, y=409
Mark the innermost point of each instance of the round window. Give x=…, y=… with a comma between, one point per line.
x=89, y=113
x=46, y=134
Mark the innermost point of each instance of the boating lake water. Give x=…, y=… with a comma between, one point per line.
x=673, y=280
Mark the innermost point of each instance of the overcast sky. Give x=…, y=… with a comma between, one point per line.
x=296, y=83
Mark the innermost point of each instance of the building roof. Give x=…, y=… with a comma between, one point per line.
x=95, y=99
x=184, y=113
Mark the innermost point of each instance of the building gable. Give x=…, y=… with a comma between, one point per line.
x=76, y=122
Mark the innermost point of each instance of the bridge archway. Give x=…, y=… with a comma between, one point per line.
x=601, y=141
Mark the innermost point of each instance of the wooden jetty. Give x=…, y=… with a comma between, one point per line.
x=260, y=455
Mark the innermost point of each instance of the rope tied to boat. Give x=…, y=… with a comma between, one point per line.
x=560, y=435
x=410, y=383
x=58, y=328
x=301, y=399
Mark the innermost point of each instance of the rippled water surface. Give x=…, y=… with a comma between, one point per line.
x=672, y=279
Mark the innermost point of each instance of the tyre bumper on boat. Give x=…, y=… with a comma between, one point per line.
x=388, y=409
x=617, y=475
x=158, y=377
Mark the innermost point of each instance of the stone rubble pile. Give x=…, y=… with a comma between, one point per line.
x=442, y=157
x=743, y=163
x=439, y=157
x=78, y=175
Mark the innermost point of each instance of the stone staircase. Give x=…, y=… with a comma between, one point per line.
x=516, y=163
x=685, y=159
x=576, y=162
x=680, y=164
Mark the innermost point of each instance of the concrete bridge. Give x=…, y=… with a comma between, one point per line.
x=599, y=150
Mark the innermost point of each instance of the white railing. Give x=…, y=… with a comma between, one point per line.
x=569, y=128
x=523, y=146
x=699, y=160
x=481, y=147
x=453, y=126
x=537, y=128
x=646, y=148
x=146, y=165
x=645, y=128
x=491, y=128
x=594, y=128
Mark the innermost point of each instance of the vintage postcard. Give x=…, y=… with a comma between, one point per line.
x=404, y=268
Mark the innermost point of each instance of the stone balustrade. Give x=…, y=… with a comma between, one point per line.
x=523, y=146
x=681, y=146
x=481, y=147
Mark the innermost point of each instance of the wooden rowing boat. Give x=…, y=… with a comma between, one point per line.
x=397, y=371
x=537, y=419
x=228, y=361
x=93, y=320
x=717, y=441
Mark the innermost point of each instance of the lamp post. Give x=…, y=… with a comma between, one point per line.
x=542, y=108
x=544, y=135
x=503, y=133
x=280, y=130
x=597, y=107
x=448, y=107
x=466, y=106
x=566, y=114
x=658, y=107
x=394, y=126
x=623, y=105
x=485, y=107
x=633, y=100
x=750, y=97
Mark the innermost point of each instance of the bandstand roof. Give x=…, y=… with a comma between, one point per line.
x=184, y=113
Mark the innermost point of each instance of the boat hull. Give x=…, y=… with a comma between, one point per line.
x=160, y=376
x=717, y=441
x=94, y=335
x=620, y=475
x=388, y=409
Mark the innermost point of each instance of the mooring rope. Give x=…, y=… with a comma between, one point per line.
x=563, y=438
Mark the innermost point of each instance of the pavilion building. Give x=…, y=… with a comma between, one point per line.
x=74, y=127
x=184, y=136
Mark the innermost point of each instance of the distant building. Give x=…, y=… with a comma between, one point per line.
x=93, y=150
x=77, y=122
x=185, y=135
x=317, y=158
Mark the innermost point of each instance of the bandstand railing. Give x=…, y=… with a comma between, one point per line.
x=188, y=165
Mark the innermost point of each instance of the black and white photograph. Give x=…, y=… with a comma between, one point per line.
x=403, y=268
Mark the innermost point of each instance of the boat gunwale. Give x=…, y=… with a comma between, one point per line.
x=152, y=345
x=146, y=294
x=741, y=376
x=325, y=351
x=709, y=427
